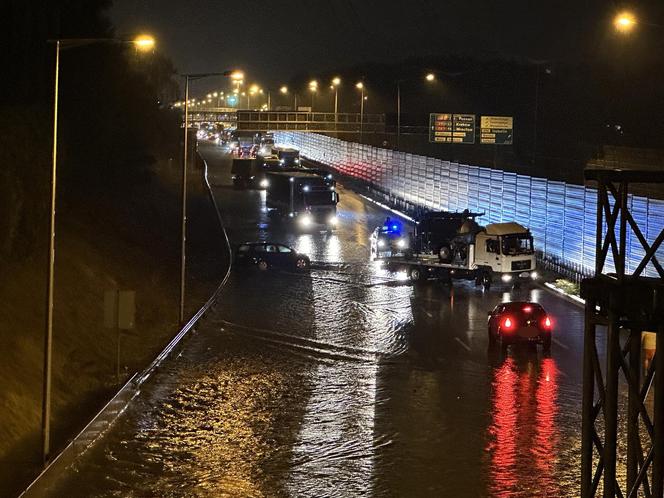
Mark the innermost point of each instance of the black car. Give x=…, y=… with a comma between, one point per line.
x=266, y=255
x=520, y=322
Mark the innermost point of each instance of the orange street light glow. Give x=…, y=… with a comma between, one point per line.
x=144, y=42
x=624, y=22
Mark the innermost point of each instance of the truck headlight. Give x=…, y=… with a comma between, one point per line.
x=264, y=183
x=333, y=220
x=305, y=220
x=281, y=161
x=401, y=243
x=381, y=243
x=534, y=275
x=506, y=277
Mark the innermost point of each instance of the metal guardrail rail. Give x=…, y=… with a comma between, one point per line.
x=105, y=418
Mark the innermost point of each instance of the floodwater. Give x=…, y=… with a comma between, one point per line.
x=346, y=381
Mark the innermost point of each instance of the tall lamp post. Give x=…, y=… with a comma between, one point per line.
x=360, y=86
x=313, y=88
x=142, y=43
x=336, y=81
x=236, y=76
x=430, y=78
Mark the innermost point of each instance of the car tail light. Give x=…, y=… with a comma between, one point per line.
x=547, y=323
x=527, y=309
x=508, y=323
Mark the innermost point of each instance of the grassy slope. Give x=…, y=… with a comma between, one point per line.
x=99, y=248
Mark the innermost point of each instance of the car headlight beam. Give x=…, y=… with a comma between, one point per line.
x=305, y=220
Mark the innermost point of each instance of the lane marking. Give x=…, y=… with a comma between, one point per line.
x=426, y=311
x=463, y=344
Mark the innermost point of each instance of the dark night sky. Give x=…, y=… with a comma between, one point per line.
x=274, y=40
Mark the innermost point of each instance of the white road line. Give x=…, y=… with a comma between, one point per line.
x=557, y=342
x=426, y=311
x=463, y=344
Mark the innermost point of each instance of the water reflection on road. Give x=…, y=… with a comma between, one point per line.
x=346, y=381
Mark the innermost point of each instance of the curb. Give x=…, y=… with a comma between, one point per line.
x=110, y=413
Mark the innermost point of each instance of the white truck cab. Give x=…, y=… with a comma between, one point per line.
x=507, y=249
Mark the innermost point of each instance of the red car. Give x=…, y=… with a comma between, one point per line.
x=520, y=322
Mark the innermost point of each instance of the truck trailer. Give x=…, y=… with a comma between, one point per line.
x=497, y=252
x=303, y=197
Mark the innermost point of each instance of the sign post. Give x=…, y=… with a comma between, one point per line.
x=119, y=314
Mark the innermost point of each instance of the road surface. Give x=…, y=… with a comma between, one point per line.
x=347, y=381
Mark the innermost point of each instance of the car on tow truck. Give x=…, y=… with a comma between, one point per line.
x=266, y=255
x=520, y=321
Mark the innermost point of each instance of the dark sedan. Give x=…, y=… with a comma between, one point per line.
x=265, y=255
x=520, y=322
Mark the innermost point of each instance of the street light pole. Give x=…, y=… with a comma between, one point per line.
x=183, y=209
x=48, y=339
x=141, y=43
x=183, y=220
x=398, y=113
x=362, y=114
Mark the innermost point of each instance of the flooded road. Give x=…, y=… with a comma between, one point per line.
x=346, y=381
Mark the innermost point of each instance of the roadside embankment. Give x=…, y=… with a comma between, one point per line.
x=104, y=242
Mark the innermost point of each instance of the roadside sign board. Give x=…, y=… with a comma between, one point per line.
x=448, y=128
x=119, y=309
x=497, y=130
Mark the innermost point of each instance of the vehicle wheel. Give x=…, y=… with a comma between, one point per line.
x=416, y=274
x=547, y=344
x=492, y=339
x=445, y=254
x=262, y=265
x=486, y=281
x=301, y=264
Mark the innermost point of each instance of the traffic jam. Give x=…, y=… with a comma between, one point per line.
x=438, y=246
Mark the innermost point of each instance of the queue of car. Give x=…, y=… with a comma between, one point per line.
x=443, y=245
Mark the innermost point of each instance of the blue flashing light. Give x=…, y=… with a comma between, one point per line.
x=395, y=228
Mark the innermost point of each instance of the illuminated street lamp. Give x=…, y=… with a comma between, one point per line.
x=253, y=90
x=185, y=156
x=313, y=88
x=336, y=81
x=430, y=77
x=624, y=22
x=142, y=43
x=360, y=86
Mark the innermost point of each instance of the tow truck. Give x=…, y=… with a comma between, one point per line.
x=455, y=246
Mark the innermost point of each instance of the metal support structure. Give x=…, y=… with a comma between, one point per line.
x=624, y=304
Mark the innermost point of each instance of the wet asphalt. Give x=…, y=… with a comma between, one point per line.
x=346, y=381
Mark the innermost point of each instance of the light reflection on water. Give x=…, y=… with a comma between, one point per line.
x=337, y=440
x=524, y=436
